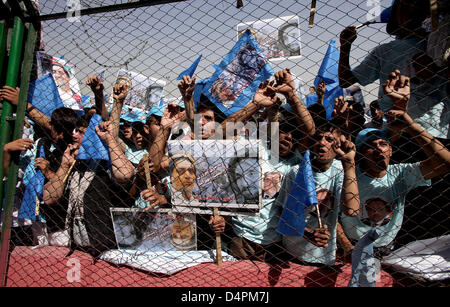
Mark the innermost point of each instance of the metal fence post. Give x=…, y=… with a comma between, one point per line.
x=11, y=80
x=5, y=132
x=3, y=39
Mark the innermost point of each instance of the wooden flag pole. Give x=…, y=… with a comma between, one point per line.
x=434, y=14
x=218, y=241
x=318, y=216
x=147, y=172
x=363, y=24
x=36, y=210
x=68, y=173
x=312, y=12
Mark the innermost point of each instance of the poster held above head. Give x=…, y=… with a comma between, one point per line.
x=63, y=73
x=278, y=38
x=238, y=76
x=144, y=92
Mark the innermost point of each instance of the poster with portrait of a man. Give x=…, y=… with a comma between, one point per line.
x=143, y=92
x=223, y=174
x=156, y=230
x=238, y=76
x=278, y=38
x=63, y=72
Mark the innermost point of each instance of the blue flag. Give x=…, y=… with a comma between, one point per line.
x=43, y=95
x=301, y=196
x=364, y=270
x=328, y=72
x=238, y=76
x=86, y=100
x=198, y=90
x=33, y=189
x=190, y=70
x=383, y=17
x=92, y=147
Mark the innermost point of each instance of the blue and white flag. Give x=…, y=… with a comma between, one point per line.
x=190, y=70
x=328, y=72
x=238, y=76
x=43, y=95
x=364, y=270
x=92, y=147
x=33, y=190
x=301, y=196
x=383, y=17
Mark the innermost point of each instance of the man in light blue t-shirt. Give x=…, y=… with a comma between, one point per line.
x=256, y=238
x=406, y=53
x=390, y=183
x=336, y=191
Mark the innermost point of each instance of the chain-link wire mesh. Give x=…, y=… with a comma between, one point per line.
x=332, y=172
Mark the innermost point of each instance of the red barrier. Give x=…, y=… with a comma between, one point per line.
x=48, y=267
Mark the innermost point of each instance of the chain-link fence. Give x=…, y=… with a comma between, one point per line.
x=225, y=143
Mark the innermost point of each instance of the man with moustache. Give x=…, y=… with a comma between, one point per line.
x=333, y=166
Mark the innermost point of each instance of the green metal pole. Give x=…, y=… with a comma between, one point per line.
x=14, y=65
x=11, y=80
x=3, y=38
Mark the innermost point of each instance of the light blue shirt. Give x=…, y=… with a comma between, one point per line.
x=262, y=229
x=386, y=58
x=393, y=187
x=429, y=106
x=329, y=184
x=134, y=154
x=27, y=160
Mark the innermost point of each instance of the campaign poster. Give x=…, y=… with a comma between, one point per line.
x=223, y=174
x=278, y=38
x=63, y=72
x=143, y=92
x=157, y=230
x=238, y=76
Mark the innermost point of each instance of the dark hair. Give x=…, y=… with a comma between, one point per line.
x=83, y=120
x=288, y=124
x=137, y=127
x=156, y=117
x=232, y=165
x=328, y=126
x=374, y=104
x=318, y=114
x=63, y=120
x=421, y=11
x=206, y=104
x=387, y=205
x=357, y=115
